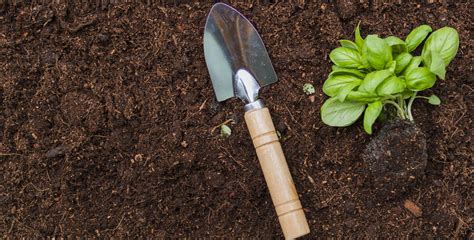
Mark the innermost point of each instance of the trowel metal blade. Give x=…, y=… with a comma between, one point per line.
x=231, y=43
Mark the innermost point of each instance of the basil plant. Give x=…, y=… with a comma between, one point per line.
x=371, y=74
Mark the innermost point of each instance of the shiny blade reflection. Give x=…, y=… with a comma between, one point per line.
x=231, y=43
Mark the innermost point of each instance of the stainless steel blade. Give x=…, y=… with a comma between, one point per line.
x=232, y=43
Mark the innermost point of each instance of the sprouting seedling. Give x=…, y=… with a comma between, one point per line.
x=433, y=99
x=371, y=74
x=225, y=131
x=308, y=89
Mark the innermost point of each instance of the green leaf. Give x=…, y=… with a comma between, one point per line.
x=365, y=63
x=445, y=41
x=336, y=68
x=347, y=71
x=342, y=94
x=373, y=79
x=348, y=44
x=341, y=114
x=345, y=57
x=391, y=86
x=308, y=89
x=358, y=38
x=371, y=113
x=391, y=66
x=416, y=37
x=225, y=131
x=407, y=94
x=420, y=79
x=377, y=52
x=397, y=45
x=435, y=63
x=434, y=100
x=414, y=63
x=333, y=84
x=364, y=97
x=403, y=59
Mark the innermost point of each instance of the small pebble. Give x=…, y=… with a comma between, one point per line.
x=103, y=38
x=413, y=208
x=56, y=152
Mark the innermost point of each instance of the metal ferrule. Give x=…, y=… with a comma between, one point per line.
x=254, y=105
x=246, y=88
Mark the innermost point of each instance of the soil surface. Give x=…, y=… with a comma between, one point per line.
x=395, y=160
x=107, y=119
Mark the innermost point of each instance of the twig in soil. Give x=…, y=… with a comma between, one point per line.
x=79, y=26
x=222, y=205
x=11, y=227
x=120, y=222
x=326, y=203
x=49, y=178
x=311, y=180
x=209, y=215
x=163, y=10
x=99, y=136
x=242, y=186
x=443, y=162
x=118, y=225
x=35, y=187
x=10, y=154
x=230, y=155
x=455, y=124
x=19, y=223
x=467, y=86
x=59, y=224
x=292, y=117
x=203, y=104
x=225, y=122
x=175, y=41
x=460, y=225
x=194, y=113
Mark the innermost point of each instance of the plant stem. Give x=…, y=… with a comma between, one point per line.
x=423, y=97
x=400, y=111
x=410, y=103
x=403, y=104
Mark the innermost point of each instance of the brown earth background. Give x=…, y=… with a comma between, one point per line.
x=107, y=111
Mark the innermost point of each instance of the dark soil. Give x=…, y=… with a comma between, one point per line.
x=395, y=159
x=107, y=116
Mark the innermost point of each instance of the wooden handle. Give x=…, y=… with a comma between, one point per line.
x=275, y=169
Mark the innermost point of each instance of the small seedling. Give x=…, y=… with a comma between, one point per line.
x=225, y=131
x=371, y=74
x=278, y=135
x=434, y=100
x=308, y=89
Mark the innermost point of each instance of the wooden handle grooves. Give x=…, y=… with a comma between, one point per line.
x=266, y=138
x=275, y=170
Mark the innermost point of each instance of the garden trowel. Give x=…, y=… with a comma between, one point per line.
x=239, y=65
